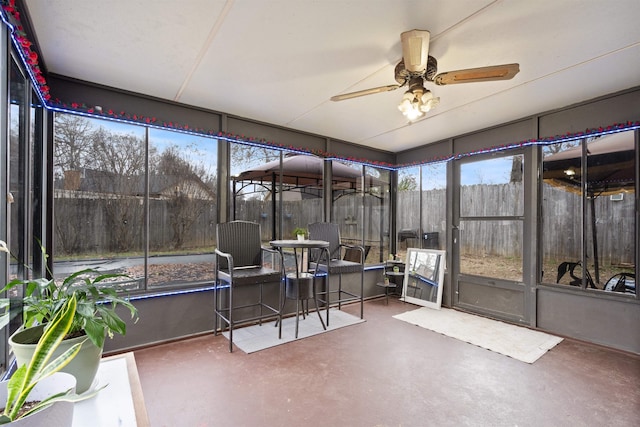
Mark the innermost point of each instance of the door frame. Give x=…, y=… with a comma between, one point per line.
x=520, y=296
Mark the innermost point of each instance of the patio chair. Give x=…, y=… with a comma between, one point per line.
x=337, y=265
x=239, y=263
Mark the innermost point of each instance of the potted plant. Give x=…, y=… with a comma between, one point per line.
x=300, y=233
x=37, y=392
x=94, y=318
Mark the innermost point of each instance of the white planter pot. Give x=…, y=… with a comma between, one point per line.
x=300, y=236
x=84, y=366
x=60, y=414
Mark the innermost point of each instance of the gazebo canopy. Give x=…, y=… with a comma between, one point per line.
x=302, y=171
x=610, y=166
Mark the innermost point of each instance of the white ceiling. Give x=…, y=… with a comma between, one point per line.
x=280, y=61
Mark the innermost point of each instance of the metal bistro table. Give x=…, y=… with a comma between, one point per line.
x=301, y=284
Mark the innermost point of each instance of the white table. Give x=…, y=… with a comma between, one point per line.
x=121, y=403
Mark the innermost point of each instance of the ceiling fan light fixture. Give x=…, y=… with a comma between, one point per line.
x=417, y=67
x=407, y=100
x=410, y=106
x=416, y=102
x=413, y=113
x=428, y=101
x=408, y=96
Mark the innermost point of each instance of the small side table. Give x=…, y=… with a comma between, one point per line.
x=394, y=270
x=394, y=276
x=119, y=404
x=301, y=284
x=386, y=285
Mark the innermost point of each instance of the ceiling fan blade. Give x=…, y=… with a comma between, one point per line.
x=365, y=92
x=415, y=50
x=482, y=74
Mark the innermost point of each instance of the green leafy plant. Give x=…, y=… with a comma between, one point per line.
x=40, y=367
x=95, y=314
x=299, y=230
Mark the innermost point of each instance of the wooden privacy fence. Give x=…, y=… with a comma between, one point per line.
x=348, y=212
x=561, y=222
x=98, y=225
x=86, y=225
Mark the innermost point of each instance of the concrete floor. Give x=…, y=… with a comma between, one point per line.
x=386, y=372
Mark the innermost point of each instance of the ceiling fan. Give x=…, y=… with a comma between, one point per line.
x=418, y=67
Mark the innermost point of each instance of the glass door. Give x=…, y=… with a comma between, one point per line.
x=488, y=235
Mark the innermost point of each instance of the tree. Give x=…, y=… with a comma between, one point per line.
x=517, y=166
x=245, y=156
x=118, y=171
x=558, y=147
x=407, y=183
x=188, y=195
x=120, y=154
x=73, y=139
x=170, y=163
x=72, y=143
